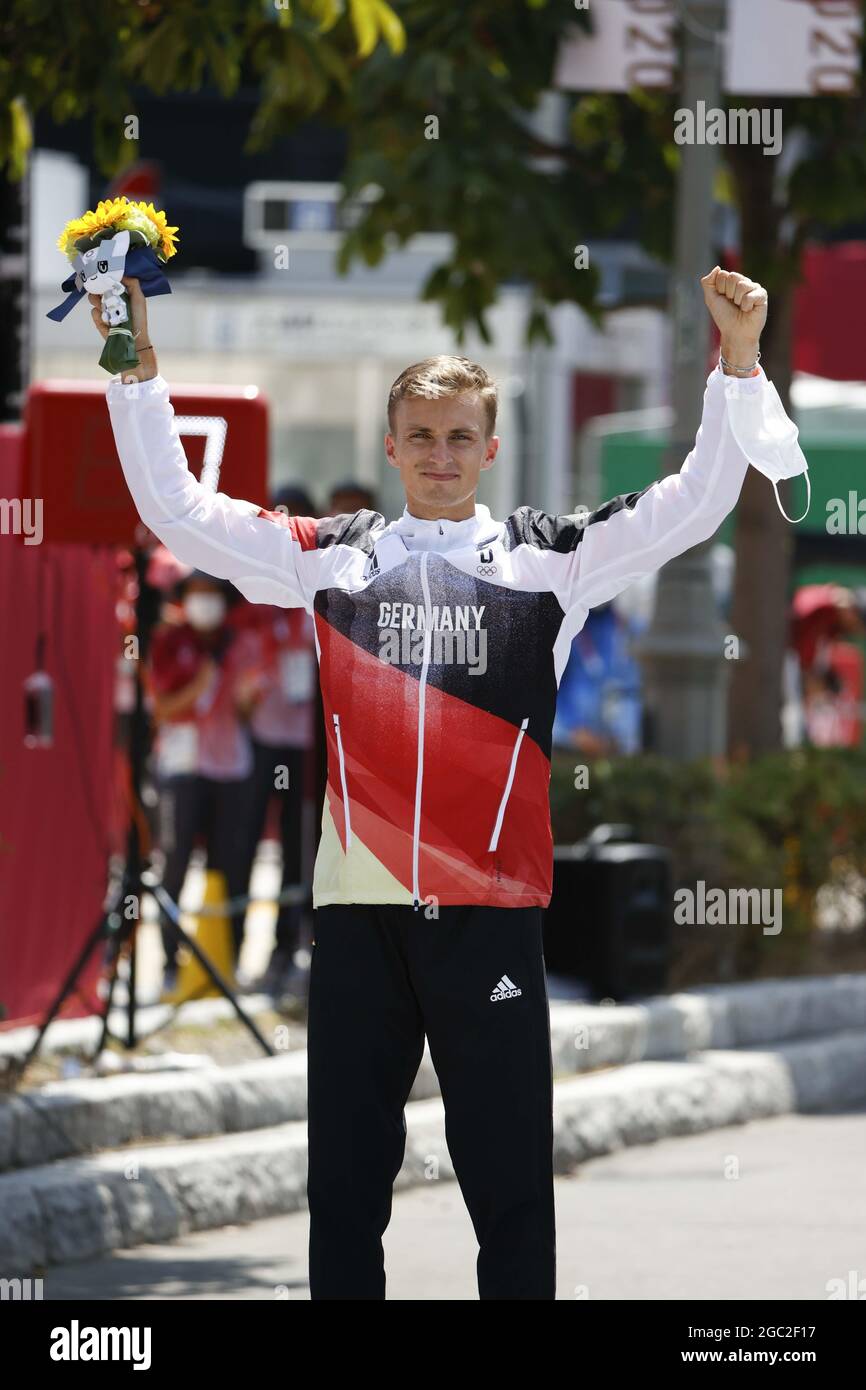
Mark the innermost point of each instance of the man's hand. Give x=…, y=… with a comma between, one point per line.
x=738, y=306
x=147, y=367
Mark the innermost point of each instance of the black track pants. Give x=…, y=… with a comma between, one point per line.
x=382, y=977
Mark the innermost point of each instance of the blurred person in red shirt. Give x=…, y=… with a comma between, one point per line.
x=138, y=610
x=825, y=621
x=202, y=678
x=282, y=726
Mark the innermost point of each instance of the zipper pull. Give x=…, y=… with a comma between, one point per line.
x=417, y=904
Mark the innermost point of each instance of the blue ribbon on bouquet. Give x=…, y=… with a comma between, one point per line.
x=141, y=263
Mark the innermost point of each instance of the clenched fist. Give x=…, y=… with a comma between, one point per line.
x=738, y=306
x=147, y=367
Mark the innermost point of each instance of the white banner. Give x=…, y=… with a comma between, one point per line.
x=773, y=48
x=793, y=47
x=633, y=45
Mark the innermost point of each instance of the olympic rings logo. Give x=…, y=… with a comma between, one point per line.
x=487, y=570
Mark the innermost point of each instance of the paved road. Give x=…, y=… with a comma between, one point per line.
x=769, y=1210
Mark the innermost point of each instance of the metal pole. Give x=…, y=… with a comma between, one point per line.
x=15, y=294
x=682, y=653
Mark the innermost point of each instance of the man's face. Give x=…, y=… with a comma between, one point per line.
x=440, y=447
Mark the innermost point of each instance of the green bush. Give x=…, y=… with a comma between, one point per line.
x=793, y=821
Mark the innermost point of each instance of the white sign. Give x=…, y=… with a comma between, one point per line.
x=773, y=48
x=213, y=428
x=633, y=44
x=271, y=321
x=794, y=47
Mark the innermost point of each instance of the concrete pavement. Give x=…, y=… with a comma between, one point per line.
x=775, y=1209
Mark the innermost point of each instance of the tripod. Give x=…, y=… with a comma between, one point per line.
x=116, y=929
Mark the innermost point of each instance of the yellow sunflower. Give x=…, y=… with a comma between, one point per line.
x=121, y=215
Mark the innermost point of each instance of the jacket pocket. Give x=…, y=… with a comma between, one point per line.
x=500, y=815
x=342, y=759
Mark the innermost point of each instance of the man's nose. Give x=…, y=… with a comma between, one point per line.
x=439, y=452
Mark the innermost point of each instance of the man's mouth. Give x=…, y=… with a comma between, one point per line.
x=441, y=477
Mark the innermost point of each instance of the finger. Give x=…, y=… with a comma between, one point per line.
x=722, y=281
x=709, y=279
x=745, y=288
x=755, y=299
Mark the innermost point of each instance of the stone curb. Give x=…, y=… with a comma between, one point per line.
x=705, y=1016
x=78, y=1208
x=90, y=1114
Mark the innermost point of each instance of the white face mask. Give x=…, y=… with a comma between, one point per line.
x=204, y=611
x=768, y=438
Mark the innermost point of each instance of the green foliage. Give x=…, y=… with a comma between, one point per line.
x=89, y=60
x=16, y=135
x=795, y=821
x=516, y=205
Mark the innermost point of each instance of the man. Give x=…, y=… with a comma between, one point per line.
x=441, y=638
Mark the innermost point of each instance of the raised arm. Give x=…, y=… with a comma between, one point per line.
x=268, y=560
x=636, y=533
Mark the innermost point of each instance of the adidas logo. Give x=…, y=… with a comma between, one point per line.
x=506, y=989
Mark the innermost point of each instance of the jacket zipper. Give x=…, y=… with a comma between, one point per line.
x=500, y=816
x=422, y=701
x=336, y=718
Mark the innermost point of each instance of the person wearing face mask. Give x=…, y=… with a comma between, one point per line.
x=201, y=674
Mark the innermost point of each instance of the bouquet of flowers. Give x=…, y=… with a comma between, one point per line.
x=119, y=238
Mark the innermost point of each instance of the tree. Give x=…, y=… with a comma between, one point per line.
x=824, y=185
x=88, y=60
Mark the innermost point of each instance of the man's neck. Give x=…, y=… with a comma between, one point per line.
x=420, y=512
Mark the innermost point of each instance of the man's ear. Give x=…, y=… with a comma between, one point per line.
x=390, y=450
x=492, y=451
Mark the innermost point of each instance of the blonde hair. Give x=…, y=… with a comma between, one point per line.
x=445, y=376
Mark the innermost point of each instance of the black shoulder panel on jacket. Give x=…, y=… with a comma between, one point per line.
x=527, y=526
x=617, y=504
x=354, y=528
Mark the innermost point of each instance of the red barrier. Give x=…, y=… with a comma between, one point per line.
x=828, y=312
x=54, y=802
x=70, y=455
x=60, y=811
